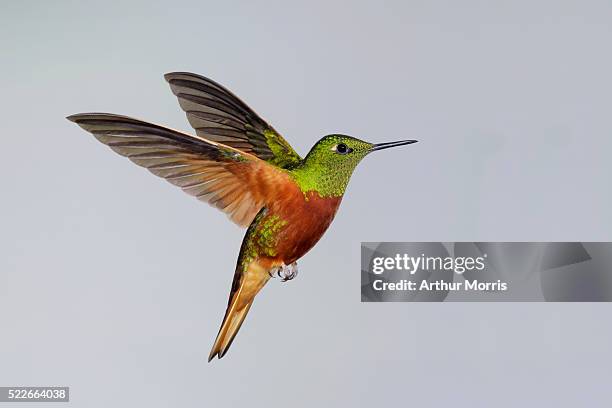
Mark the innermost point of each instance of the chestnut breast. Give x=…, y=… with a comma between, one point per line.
x=307, y=216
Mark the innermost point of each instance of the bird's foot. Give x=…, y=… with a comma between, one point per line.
x=285, y=272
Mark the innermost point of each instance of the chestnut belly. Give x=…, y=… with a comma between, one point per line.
x=306, y=221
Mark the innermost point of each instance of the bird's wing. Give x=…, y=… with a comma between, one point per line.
x=236, y=182
x=217, y=114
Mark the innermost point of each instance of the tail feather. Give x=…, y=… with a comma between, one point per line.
x=229, y=328
x=248, y=281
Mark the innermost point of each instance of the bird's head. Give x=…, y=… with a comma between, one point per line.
x=330, y=163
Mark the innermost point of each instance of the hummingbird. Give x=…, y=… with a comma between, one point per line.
x=238, y=163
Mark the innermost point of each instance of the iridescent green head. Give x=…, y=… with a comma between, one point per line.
x=330, y=163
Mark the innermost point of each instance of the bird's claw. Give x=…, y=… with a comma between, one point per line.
x=288, y=272
x=285, y=272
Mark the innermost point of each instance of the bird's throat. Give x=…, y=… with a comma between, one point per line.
x=326, y=181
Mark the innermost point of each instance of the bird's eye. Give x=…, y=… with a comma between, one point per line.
x=343, y=149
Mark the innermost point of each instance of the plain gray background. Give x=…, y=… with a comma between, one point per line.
x=114, y=282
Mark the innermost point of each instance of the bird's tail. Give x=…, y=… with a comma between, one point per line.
x=246, y=285
x=229, y=328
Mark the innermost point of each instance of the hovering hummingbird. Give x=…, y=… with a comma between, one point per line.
x=241, y=165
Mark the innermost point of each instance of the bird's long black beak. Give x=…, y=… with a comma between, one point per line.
x=380, y=146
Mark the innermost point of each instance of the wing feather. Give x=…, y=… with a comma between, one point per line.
x=213, y=172
x=217, y=114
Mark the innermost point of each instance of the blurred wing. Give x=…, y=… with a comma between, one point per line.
x=236, y=182
x=217, y=114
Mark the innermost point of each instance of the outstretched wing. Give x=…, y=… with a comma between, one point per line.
x=236, y=182
x=217, y=114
